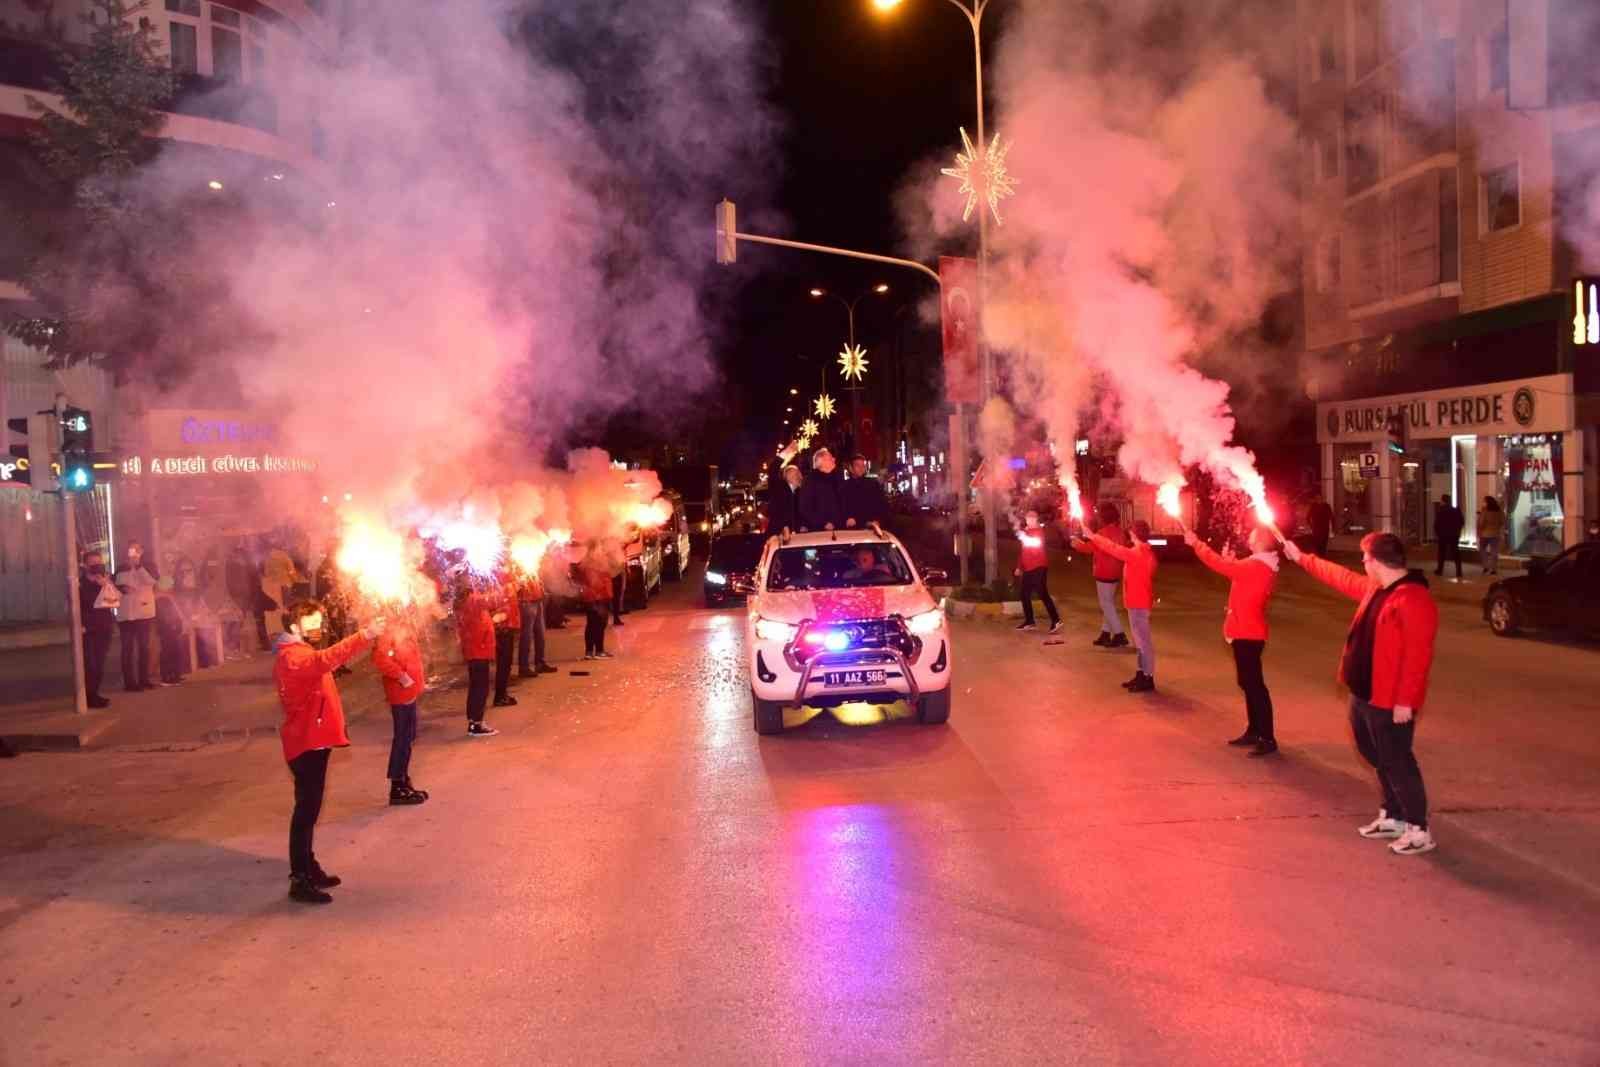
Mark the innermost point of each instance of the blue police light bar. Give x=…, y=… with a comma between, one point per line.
x=836, y=641
x=1017, y=463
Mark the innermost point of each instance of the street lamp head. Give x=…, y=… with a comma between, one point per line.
x=885, y=5
x=818, y=293
x=881, y=288
x=794, y=392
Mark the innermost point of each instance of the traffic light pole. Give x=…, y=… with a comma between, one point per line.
x=69, y=525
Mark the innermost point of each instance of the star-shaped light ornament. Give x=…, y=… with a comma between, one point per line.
x=853, y=362
x=808, y=429
x=824, y=406
x=982, y=173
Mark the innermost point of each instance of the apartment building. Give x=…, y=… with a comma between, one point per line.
x=1450, y=150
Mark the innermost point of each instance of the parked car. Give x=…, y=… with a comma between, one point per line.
x=844, y=617
x=1562, y=594
x=731, y=568
x=674, y=537
x=643, y=576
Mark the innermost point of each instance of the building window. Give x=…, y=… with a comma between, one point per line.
x=1502, y=198
x=224, y=16
x=1327, y=265
x=227, y=54
x=184, y=7
x=1325, y=162
x=1574, y=74
x=184, y=45
x=1499, y=59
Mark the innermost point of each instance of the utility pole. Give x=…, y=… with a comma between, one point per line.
x=69, y=527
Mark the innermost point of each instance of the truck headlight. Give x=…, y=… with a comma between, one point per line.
x=713, y=578
x=926, y=623
x=773, y=630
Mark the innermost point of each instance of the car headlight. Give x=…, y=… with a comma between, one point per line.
x=716, y=579
x=927, y=622
x=773, y=630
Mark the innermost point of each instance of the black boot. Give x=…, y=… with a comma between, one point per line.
x=1143, y=684
x=1119, y=641
x=1263, y=748
x=1131, y=682
x=1104, y=640
x=401, y=794
x=1246, y=738
x=321, y=878
x=301, y=889
x=421, y=792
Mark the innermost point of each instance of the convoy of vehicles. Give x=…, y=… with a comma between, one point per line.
x=844, y=617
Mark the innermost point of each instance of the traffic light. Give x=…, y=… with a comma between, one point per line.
x=1395, y=430
x=727, y=229
x=77, y=450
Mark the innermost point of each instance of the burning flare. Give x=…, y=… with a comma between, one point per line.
x=379, y=561
x=1169, y=496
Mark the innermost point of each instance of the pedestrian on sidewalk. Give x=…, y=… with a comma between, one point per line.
x=594, y=586
x=1491, y=528
x=1388, y=653
x=1139, y=597
x=243, y=578
x=398, y=657
x=530, y=604
x=313, y=726
x=1033, y=568
x=1107, y=576
x=475, y=626
x=1448, y=522
x=507, y=629
x=1319, y=517
x=136, y=616
x=1251, y=583
x=97, y=600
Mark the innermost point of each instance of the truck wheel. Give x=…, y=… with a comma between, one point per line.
x=1503, y=616
x=934, y=708
x=768, y=715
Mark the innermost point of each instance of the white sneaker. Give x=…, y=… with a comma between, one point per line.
x=1383, y=826
x=1414, y=842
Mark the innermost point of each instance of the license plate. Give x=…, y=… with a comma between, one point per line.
x=852, y=679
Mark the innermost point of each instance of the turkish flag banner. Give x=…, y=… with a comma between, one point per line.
x=959, y=316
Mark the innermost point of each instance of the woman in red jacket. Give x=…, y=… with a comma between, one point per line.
x=1387, y=656
x=313, y=726
x=398, y=658
x=475, y=626
x=1138, y=596
x=1251, y=582
x=594, y=585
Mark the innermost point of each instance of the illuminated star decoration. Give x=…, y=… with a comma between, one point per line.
x=824, y=406
x=983, y=173
x=808, y=428
x=853, y=362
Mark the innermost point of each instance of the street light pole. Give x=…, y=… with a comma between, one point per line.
x=855, y=390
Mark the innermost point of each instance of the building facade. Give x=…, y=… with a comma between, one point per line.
x=1449, y=157
x=246, y=106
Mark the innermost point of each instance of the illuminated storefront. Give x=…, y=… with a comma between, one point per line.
x=1386, y=461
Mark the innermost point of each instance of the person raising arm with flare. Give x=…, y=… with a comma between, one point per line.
x=1138, y=596
x=1388, y=653
x=313, y=726
x=1033, y=567
x=1251, y=584
x=1107, y=576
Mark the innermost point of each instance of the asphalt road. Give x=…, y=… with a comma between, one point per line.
x=628, y=874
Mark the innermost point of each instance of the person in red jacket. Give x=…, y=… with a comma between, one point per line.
x=313, y=726
x=1138, y=596
x=507, y=628
x=1107, y=576
x=398, y=658
x=531, y=638
x=1033, y=567
x=1251, y=582
x=1387, y=655
x=594, y=586
x=475, y=625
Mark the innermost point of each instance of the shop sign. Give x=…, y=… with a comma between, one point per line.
x=1369, y=464
x=1533, y=404
x=10, y=468
x=209, y=430
x=227, y=463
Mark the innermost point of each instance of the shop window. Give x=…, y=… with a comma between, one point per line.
x=227, y=55
x=1501, y=195
x=1532, y=473
x=1354, y=494
x=185, y=47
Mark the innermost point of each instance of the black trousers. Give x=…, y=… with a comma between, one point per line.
x=1319, y=543
x=1448, y=551
x=1257, y=701
x=135, y=639
x=477, y=688
x=594, y=629
x=505, y=646
x=405, y=734
x=174, y=654
x=1034, y=582
x=310, y=770
x=96, y=643
x=1387, y=747
x=617, y=584
x=532, y=635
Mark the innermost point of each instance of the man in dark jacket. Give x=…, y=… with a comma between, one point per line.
x=1319, y=516
x=99, y=623
x=1448, y=522
x=861, y=496
x=783, y=492
x=1387, y=656
x=819, y=496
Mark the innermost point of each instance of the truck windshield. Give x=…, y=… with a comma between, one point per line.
x=838, y=567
